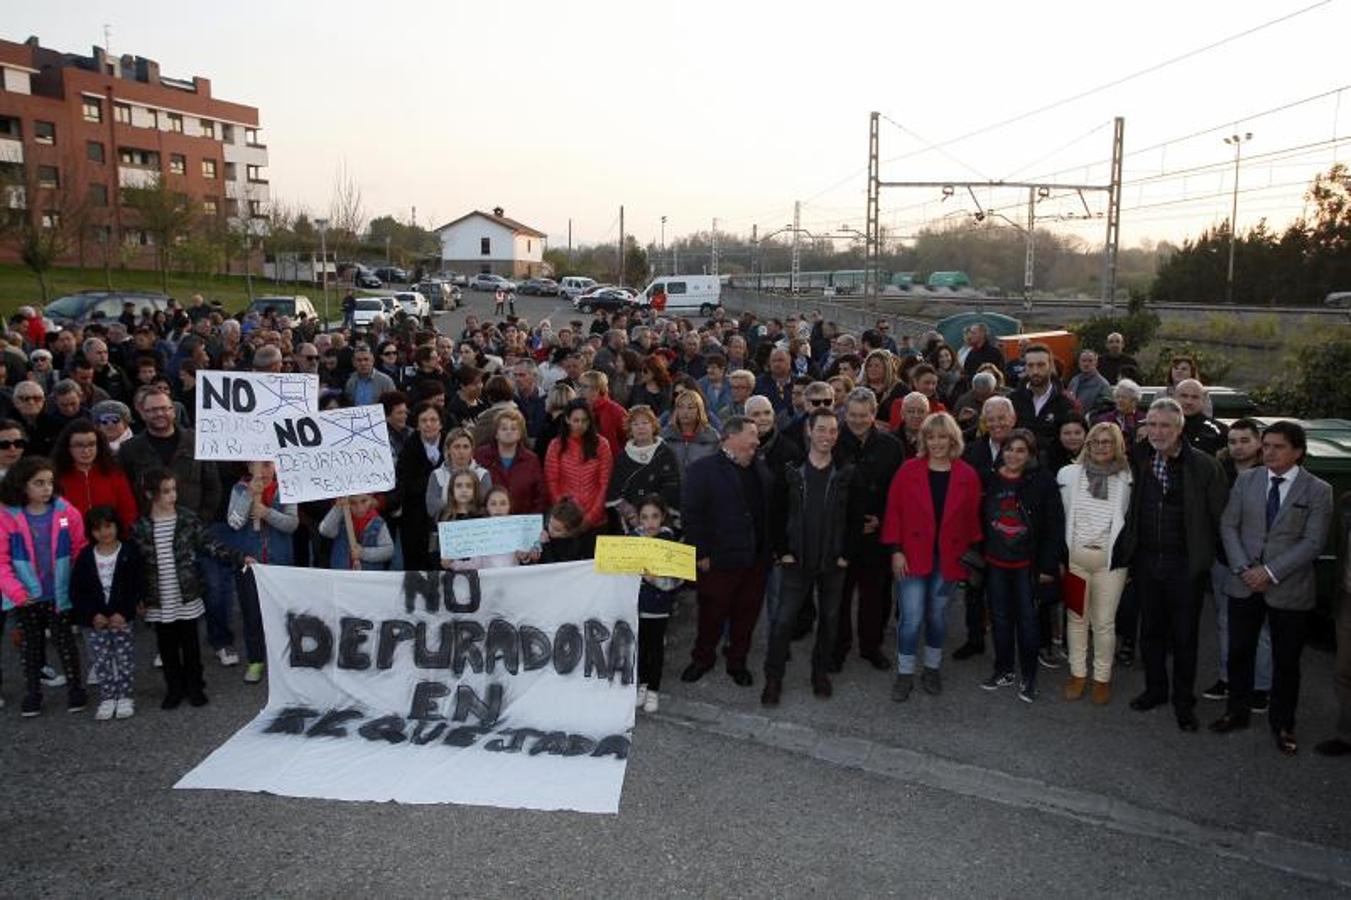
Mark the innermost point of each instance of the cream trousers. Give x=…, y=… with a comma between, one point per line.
x=1101, y=598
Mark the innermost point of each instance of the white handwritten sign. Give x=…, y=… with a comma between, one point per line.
x=331, y=454
x=235, y=411
x=506, y=687
x=488, y=537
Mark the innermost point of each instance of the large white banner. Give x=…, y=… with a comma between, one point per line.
x=512, y=690
x=332, y=453
x=235, y=411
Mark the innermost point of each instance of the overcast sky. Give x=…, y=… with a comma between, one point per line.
x=559, y=111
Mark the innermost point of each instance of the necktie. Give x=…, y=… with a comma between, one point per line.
x=1274, y=499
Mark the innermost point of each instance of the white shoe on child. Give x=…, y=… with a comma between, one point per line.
x=159, y=661
x=642, y=696
x=106, y=710
x=93, y=677
x=126, y=708
x=650, y=704
x=227, y=656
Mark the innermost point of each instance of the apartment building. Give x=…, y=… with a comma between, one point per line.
x=76, y=129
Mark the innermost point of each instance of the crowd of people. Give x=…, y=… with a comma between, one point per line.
x=826, y=479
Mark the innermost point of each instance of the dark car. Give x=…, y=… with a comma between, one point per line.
x=542, y=287
x=79, y=309
x=392, y=275
x=610, y=299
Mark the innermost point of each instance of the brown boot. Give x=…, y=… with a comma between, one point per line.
x=1074, y=688
x=1102, y=692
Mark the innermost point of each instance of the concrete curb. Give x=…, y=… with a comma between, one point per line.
x=1327, y=865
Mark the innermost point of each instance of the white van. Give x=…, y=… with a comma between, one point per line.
x=572, y=285
x=683, y=294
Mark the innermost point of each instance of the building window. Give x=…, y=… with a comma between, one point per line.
x=208, y=128
x=231, y=207
x=251, y=137
x=141, y=159
x=256, y=209
x=176, y=122
x=11, y=127
x=210, y=206
x=44, y=132
x=230, y=171
x=529, y=246
x=93, y=151
x=485, y=246
x=49, y=177
x=255, y=173
x=122, y=113
x=208, y=168
x=227, y=133
x=154, y=118
x=51, y=219
x=98, y=194
x=93, y=109
x=178, y=164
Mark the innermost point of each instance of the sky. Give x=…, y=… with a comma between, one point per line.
x=564, y=112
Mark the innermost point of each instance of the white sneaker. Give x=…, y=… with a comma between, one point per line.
x=105, y=710
x=92, y=677
x=642, y=695
x=2, y=702
x=50, y=678
x=126, y=708
x=650, y=705
x=159, y=661
x=227, y=656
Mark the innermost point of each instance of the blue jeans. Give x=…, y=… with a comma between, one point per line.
x=1013, y=607
x=921, y=598
x=219, y=581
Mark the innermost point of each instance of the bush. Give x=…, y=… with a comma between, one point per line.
x=1138, y=328
x=1313, y=383
x=1214, y=365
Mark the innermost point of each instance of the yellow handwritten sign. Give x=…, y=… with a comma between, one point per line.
x=644, y=556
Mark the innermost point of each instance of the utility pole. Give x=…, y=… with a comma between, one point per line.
x=322, y=225
x=755, y=250
x=797, y=247
x=662, y=251
x=1109, y=253
x=415, y=217
x=1238, y=142
x=713, y=258
x=872, y=244
x=1031, y=248
x=621, y=245
x=569, y=241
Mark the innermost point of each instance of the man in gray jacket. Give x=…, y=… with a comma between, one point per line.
x=1273, y=527
x=365, y=385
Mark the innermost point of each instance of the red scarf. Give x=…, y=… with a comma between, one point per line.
x=360, y=522
x=269, y=492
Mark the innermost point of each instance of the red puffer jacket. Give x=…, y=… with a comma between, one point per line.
x=568, y=474
x=96, y=488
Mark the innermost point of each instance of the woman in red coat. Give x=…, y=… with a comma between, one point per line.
x=932, y=519
x=514, y=466
x=89, y=474
x=578, y=466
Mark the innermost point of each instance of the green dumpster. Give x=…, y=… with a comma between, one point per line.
x=996, y=323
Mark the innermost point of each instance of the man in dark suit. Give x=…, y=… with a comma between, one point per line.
x=1040, y=406
x=1274, y=526
x=1340, y=745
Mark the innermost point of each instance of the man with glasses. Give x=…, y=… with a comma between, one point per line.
x=164, y=445
x=305, y=359
x=883, y=328
x=29, y=404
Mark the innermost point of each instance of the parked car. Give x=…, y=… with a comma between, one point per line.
x=392, y=275
x=543, y=287
x=360, y=276
x=438, y=293
x=414, y=304
x=78, y=309
x=486, y=282
x=609, y=298
x=457, y=279
x=368, y=308
x=572, y=285
x=291, y=307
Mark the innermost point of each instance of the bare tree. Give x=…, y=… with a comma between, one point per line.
x=164, y=213
x=346, y=212
x=39, y=221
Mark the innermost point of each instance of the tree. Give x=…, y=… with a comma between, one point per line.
x=346, y=213
x=38, y=222
x=165, y=214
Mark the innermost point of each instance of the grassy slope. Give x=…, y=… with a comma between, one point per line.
x=19, y=286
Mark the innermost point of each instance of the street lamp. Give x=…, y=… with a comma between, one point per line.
x=663, y=241
x=1237, y=141
x=322, y=225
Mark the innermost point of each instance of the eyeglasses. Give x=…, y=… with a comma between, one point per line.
x=30, y=398
x=821, y=402
x=20, y=443
x=109, y=419
x=309, y=356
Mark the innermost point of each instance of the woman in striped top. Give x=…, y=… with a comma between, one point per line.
x=169, y=539
x=1096, y=494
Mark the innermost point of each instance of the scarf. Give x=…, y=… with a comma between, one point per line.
x=269, y=493
x=642, y=455
x=360, y=522
x=1098, y=476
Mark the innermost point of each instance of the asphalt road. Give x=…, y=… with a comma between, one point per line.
x=966, y=794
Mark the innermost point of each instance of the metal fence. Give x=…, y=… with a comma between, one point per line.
x=850, y=317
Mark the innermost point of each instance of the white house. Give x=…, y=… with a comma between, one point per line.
x=490, y=242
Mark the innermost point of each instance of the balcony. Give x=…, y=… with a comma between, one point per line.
x=11, y=149
x=135, y=177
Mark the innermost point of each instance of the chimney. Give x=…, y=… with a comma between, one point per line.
x=201, y=86
x=498, y=211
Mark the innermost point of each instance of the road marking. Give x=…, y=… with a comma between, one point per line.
x=1317, y=862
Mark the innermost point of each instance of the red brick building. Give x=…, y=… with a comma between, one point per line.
x=75, y=129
